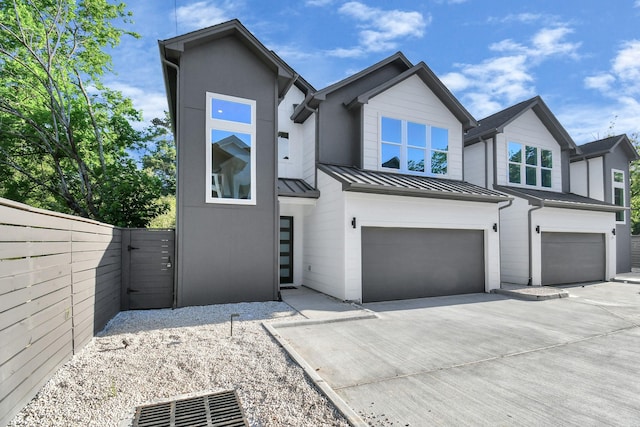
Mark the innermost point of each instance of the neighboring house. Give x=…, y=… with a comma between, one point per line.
x=377, y=187
x=548, y=235
x=601, y=171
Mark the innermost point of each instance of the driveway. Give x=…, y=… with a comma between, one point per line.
x=485, y=359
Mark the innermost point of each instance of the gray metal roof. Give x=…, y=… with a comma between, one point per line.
x=559, y=200
x=367, y=181
x=292, y=187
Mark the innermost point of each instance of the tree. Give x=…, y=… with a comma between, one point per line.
x=64, y=136
x=634, y=180
x=160, y=153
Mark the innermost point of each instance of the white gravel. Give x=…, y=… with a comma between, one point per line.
x=171, y=353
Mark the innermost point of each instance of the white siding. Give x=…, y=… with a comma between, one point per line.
x=529, y=130
x=474, y=164
x=596, y=178
x=323, y=258
x=411, y=100
x=297, y=208
x=514, y=237
x=579, y=178
x=573, y=221
x=375, y=210
x=292, y=167
x=514, y=243
x=309, y=150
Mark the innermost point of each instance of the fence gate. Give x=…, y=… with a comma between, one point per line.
x=147, y=268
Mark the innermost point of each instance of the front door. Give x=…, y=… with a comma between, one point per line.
x=286, y=249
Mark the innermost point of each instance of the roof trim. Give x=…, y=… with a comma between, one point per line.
x=297, y=188
x=487, y=196
x=565, y=204
x=623, y=139
x=309, y=105
x=433, y=83
x=539, y=108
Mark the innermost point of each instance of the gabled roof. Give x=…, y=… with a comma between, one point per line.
x=607, y=145
x=171, y=50
x=433, y=83
x=311, y=102
x=495, y=123
x=293, y=187
x=367, y=181
x=554, y=199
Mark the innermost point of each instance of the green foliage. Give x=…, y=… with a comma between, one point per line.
x=160, y=159
x=634, y=178
x=64, y=137
x=167, y=219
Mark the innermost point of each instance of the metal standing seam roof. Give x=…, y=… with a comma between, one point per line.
x=293, y=187
x=560, y=200
x=367, y=181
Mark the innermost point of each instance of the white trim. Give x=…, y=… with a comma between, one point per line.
x=224, y=125
x=622, y=186
x=404, y=148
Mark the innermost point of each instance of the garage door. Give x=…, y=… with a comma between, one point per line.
x=572, y=258
x=402, y=263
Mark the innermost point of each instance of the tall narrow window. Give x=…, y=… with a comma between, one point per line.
x=618, y=188
x=412, y=147
x=515, y=163
x=230, y=153
x=546, y=164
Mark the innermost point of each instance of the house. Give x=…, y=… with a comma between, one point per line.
x=601, y=171
x=548, y=234
x=381, y=186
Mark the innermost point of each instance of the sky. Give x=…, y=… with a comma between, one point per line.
x=581, y=56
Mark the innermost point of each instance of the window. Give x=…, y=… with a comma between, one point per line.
x=617, y=182
x=529, y=165
x=283, y=145
x=230, y=156
x=413, y=147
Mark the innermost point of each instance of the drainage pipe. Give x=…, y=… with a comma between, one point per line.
x=531, y=242
x=175, y=137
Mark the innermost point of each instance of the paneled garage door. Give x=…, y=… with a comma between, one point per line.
x=572, y=258
x=403, y=263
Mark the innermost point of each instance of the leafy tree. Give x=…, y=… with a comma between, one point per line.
x=160, y=159
x=634, y=178
x=64, y=136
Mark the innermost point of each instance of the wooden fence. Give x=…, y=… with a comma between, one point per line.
x=59, y=284
x=635, y=251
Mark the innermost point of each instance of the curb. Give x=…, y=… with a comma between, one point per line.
x=530, y=297
x=351, y=416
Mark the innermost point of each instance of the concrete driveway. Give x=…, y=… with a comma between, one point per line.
x=485, y=359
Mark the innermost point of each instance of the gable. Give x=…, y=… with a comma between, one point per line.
x=410, y=100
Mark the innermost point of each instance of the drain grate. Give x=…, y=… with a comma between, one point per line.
x=211, y=410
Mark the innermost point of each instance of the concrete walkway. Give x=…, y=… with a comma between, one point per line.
x=318, y=306
x=477, y=359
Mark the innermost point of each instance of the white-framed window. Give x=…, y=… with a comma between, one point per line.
x=618, y=193
x=230, y=152
x=414, y=148
x=529, y=165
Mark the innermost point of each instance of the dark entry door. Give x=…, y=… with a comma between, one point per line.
x=286, y=249
x=148, y=257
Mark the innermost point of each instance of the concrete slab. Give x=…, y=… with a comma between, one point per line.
x=531, y=293
x=484, y=359
x=316, y=305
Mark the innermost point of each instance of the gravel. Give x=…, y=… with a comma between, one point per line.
x=150, y=356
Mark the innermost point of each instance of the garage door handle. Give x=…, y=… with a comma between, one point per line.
x=132, y=291
x=131, y=248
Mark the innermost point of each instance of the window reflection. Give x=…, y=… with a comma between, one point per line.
x=230, y=165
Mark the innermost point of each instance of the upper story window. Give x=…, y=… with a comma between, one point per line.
x=617, y=190
x=413, y=147
x=230, y=153
x=530, y=165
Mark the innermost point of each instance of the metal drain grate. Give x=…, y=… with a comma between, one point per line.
x=211, y=410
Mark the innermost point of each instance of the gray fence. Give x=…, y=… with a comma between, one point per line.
x=635, y=251
x=59, y=284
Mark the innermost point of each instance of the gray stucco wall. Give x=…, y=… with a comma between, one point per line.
x=619, y=160
x=339, y=133
x=226, y=253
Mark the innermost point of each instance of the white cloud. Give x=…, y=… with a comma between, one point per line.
x=507, y=78
x=637, y=3
x=318, y=3
x=600, y=82
x=152, y=104
x=201, y=14
x=380, y=30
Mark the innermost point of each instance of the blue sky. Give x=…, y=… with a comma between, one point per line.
x=581, y=56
